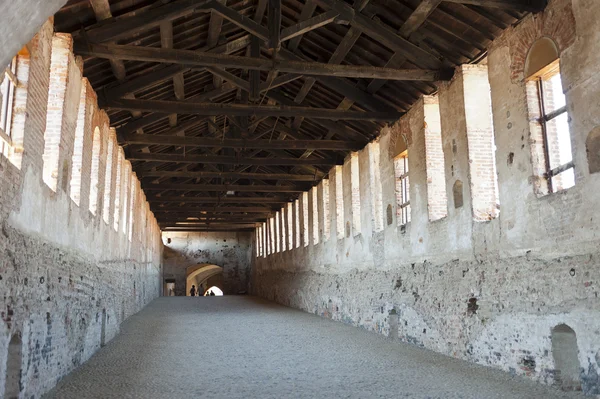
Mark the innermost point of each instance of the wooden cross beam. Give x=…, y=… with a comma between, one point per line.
x=225, y=160
x=320, y=145
x=227, y=175
x=206, y=59
x=207, y=109
x=213, y=208
x=223, y=187
x=217, y=200
x=274, y=24
x=516, y=5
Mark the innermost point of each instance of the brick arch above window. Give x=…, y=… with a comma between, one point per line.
x=400, y=138
x=542, y=53
x=556, y=23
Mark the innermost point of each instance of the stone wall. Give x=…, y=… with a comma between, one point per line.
x=68, y=278
x=492, y=280
x=231, y=251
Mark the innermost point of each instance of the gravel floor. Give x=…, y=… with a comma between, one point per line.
x=244, y=347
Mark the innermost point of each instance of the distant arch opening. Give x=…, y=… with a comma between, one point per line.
x=213, y=291
x=566, y=361
x=13, y=368
x=202, y=276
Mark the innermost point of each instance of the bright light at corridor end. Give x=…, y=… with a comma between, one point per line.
x=217, y=291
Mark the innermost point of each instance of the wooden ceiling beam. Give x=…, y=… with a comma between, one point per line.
x=223, y=187
x=208, y=109
x=102, y=11
x=381, y=33
x=274, y=24
x=166, y=40
x=227, y=160
x=217, y=200
x=242, y=21
x=205, y=230
x=310, y=24
x=118, y=28
x=213, y=208
x=254, y=74
x=226, y=175
x=208, y=142
x=418, y=16
x=516, y=5
x=207, y=224
x=135, y=124
x=283, y=100
x=218, y=220
x=344, y=87
x=307, y=11
x=178, y=215
x=207, y=59
x=170, y=71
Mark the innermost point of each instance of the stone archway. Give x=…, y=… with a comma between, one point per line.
x=565, y=354
x=203, y=276
x=13, y=368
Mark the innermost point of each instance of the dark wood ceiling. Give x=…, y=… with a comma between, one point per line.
x=228, y=109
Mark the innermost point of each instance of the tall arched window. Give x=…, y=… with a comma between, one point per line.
x=551, y=148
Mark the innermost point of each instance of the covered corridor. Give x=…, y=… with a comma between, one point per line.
x=245, y=347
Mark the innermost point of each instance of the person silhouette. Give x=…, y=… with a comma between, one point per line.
x=193, y=291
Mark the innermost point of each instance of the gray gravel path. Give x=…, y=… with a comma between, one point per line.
x=244, y=347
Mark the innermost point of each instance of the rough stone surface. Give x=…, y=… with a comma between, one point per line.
x=244, y=347
x=231, y=251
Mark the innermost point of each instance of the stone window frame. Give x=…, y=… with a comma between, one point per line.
x=314, y=198
x=8, y=87
x=402, y=180
x=539, y=119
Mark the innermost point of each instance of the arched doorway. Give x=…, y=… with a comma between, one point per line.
x=203, y=276
x=213, y=291
x=566, y=361
x=13, y=368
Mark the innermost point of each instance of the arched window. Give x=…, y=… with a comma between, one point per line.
x=551, y=148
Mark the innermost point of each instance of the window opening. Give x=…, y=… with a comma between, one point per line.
x=402, y=189
x=297, y=222
x=8, y=85
x=315, y=215
x=305, y=219
x=290, y=224
x=326, y=219
x=355, y=187
x=118, y=175
x=339, y=201
x=553, y=119
x=108, y=179
x=95, y=172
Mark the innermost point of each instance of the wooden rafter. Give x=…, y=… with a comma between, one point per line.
x=227, y=160
x=207, y=59
x=204, y=108
x=151, y=139
x=228, y=175
x=223, y=188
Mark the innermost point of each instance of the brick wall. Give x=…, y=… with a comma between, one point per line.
x=434, y=152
